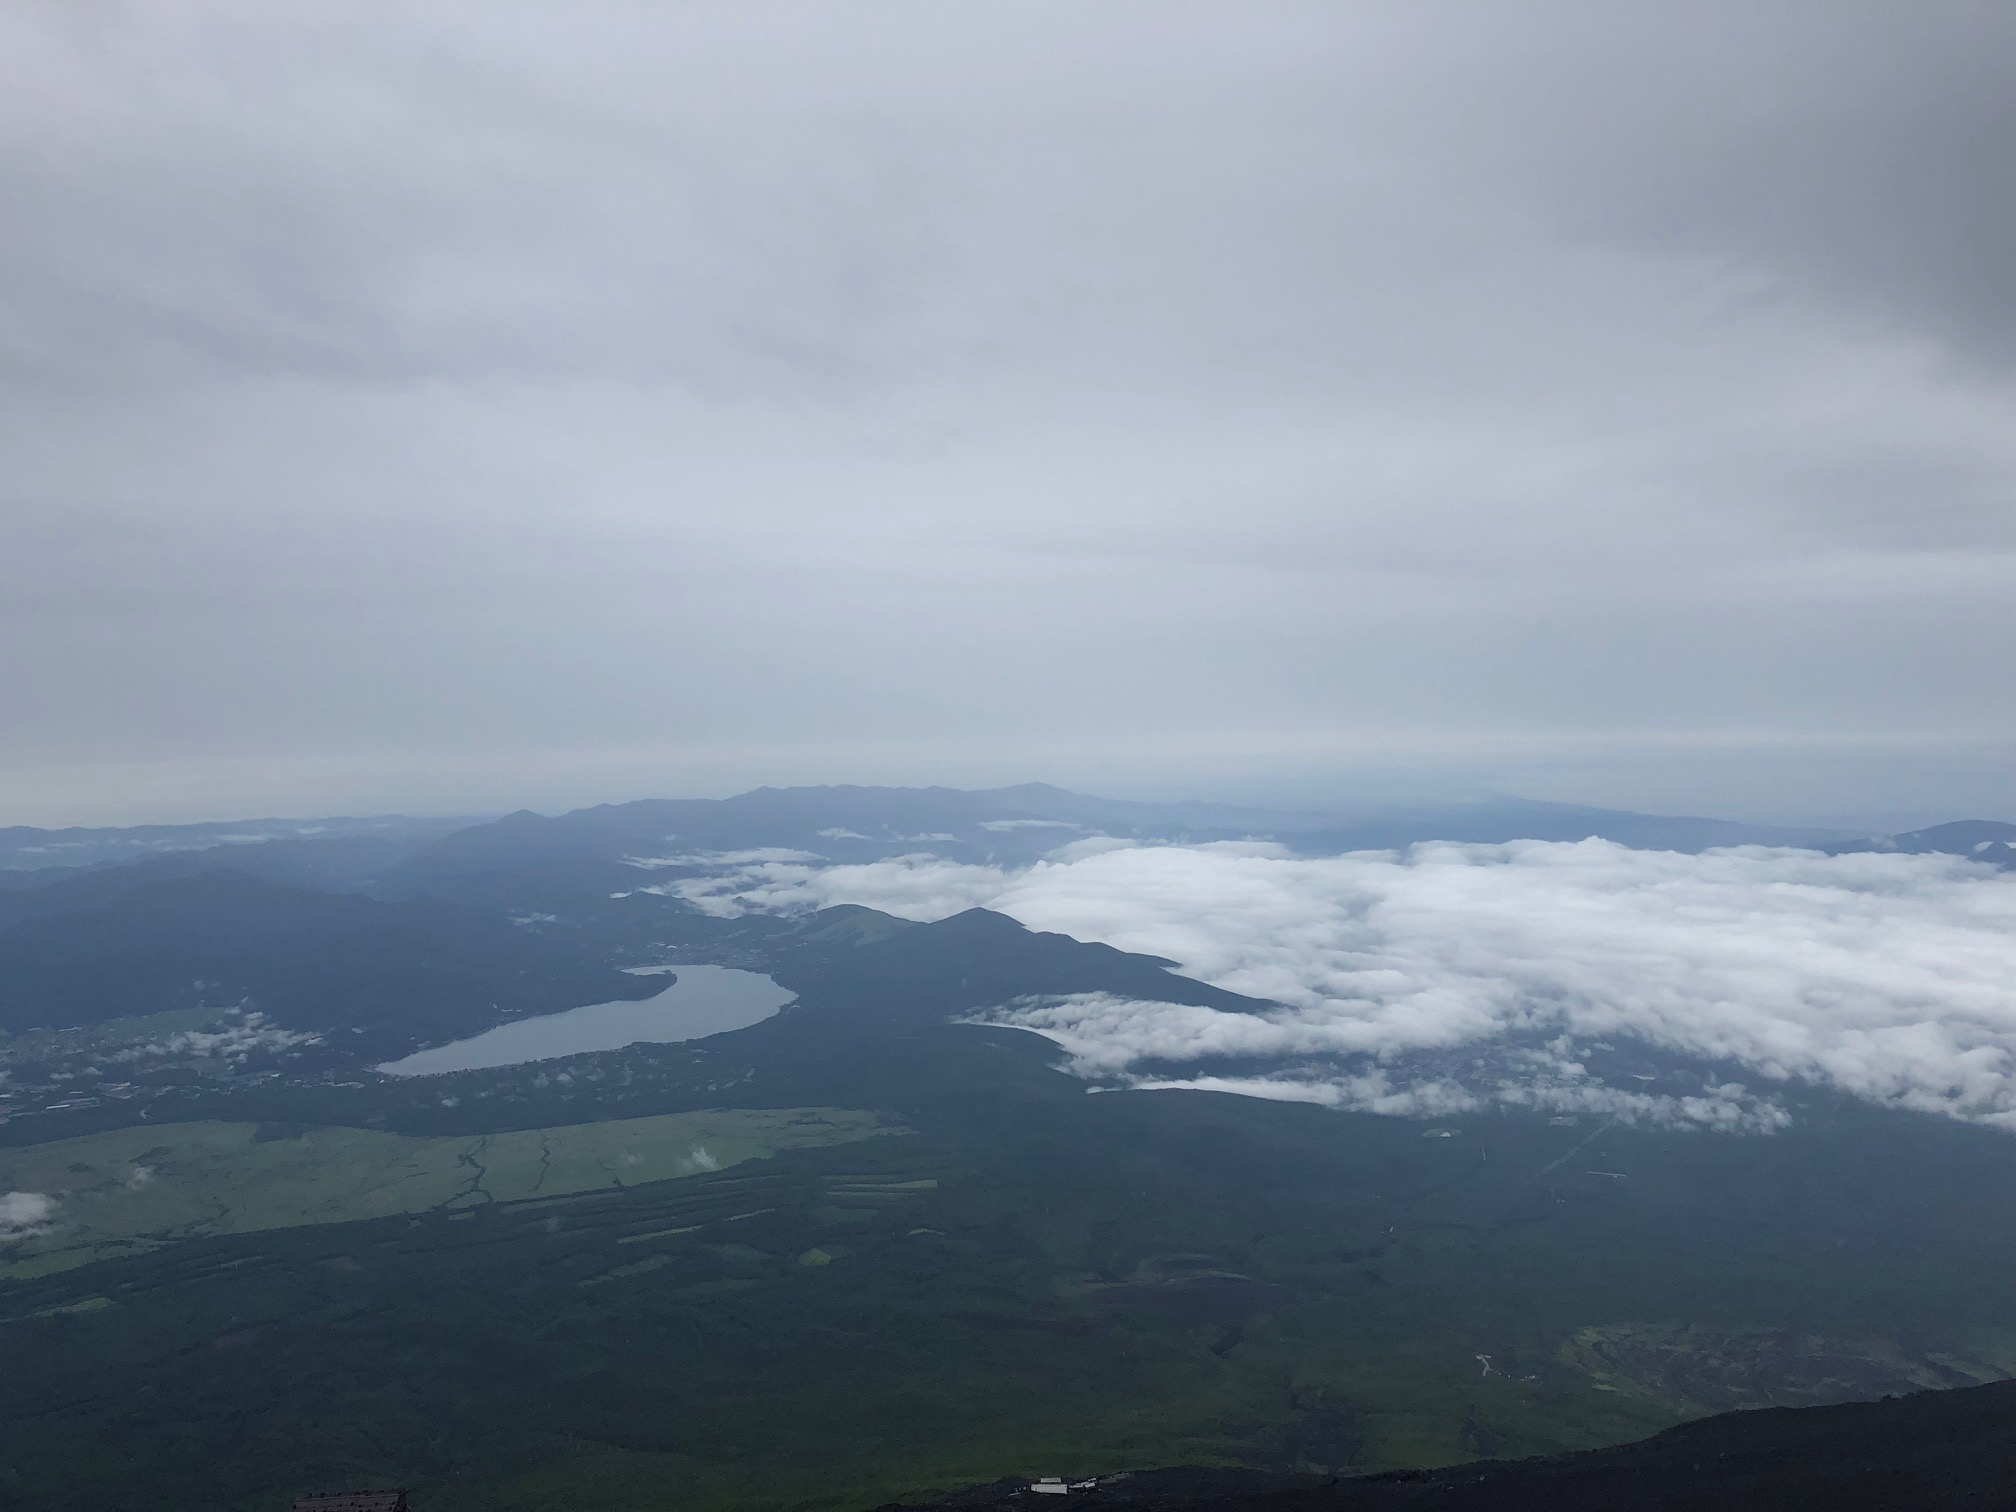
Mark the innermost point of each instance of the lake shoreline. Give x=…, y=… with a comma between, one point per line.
x=696, y=1003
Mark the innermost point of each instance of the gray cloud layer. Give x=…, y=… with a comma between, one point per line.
x=461, y=404
x=1883, y=976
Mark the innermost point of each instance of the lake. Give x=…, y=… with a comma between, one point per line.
x=703, y=1000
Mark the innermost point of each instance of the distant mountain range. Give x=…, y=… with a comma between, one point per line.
x=24, y=848
x=287, y=912
x=132, y=918
x=414, y=856
x=1978, y=839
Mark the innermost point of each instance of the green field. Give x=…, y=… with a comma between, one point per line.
x=1024, y=1285
x=135, y=1189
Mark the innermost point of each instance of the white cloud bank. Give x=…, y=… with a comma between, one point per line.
x=1889, y=977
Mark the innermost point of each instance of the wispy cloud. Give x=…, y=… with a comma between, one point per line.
x=1883, y=976
x=249, y=1035
x=24, y=1214
x=918, y=886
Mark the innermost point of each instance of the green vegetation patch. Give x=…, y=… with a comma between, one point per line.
x=135, y=1189
x=1696, y=1368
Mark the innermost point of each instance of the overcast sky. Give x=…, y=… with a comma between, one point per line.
x=452, y=407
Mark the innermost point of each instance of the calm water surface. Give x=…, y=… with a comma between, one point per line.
x=704, y=1000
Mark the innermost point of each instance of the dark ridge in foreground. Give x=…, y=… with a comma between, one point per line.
x=1929, y=1452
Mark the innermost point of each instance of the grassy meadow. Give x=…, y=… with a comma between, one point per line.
x=135, y=1189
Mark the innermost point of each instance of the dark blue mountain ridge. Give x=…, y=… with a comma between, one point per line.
x=398, y=973
x=407, y=856
x=1011, y=825
x=24, y=848
x=1986, y=840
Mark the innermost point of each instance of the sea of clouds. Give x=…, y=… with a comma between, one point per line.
x=1889, y=977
